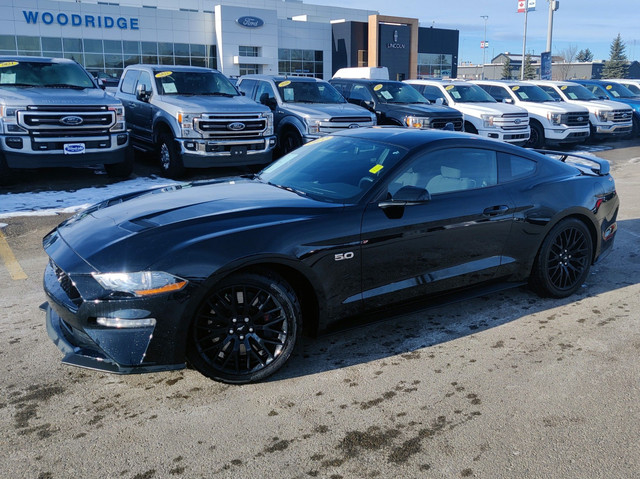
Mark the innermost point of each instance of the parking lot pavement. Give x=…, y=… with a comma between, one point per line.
x=502, y=386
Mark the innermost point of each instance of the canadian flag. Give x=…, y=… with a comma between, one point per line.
x=521, y=5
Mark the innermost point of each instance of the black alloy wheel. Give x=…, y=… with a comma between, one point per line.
x=245, y=329
x=536, y=137
x=290, y=141
x=169, y=156
x=564, y=259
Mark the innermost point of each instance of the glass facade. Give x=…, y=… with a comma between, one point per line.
x=110, y=56
x=434, y=65
x=300, y=62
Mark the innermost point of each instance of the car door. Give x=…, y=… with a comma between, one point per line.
x=452, y=240
x=265, y=95
x=127, y=96
x=143, y=111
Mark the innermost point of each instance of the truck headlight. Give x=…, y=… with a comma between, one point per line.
x=604, y=115
x=120, y=123
x=487, y=121
x=417, y=122
x=269, y=130
x=8, y=120
x=140, y=284
x=555, y=118
x=313, y=125
x=187, y=122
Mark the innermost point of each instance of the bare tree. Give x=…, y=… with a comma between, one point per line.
x=568, y=56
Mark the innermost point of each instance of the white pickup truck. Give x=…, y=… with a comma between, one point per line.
x=551, y=122
x=482, y=114
x=606, y=118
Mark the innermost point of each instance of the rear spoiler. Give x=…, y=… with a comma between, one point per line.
x=597, y=165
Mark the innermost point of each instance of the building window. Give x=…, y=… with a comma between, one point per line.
x=363, y=58
x=434, y=65
x=300, y=62
x=245, y=51
x=248, y=69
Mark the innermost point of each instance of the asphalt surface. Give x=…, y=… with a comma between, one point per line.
x=502, y=386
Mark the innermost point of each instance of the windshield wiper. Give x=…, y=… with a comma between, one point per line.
x=64, y=85
x=287, y=188
x=217, y=93
x=17, y=84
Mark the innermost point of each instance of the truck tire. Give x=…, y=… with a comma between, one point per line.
x=170, y=161
x=5, y=172
x=536, y=138
x=290, y=141
x=122, y=169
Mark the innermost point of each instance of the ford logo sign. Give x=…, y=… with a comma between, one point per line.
x=354, y=125
x=580, y=118
x=236, y=126
x=517, y=121
x=250, y=22
x=71, y=120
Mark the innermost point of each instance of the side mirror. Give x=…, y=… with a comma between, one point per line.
x=440, y=101
x=407, y=196
x=507, y=100
x=142, y=94
x=100, y=83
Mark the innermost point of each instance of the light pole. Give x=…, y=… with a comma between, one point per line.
x=484, y=42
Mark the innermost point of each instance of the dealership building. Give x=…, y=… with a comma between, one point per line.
x=236, y=36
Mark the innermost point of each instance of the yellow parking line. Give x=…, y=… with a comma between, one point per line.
x=10, y=261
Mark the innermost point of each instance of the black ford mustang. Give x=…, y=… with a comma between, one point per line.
x=225, y=274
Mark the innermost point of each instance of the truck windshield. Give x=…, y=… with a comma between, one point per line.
x=531, y=93
x=193, y=83
x=397, y=92
x=296, y=91
x=468, y=94
x=617, y=90
x=24, y=74
x=577, y=92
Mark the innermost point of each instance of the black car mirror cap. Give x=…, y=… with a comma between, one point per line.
x=407, y=196
x=142, y=94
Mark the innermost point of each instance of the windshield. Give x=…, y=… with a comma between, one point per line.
x=333, y=169
x=397, y=92
x=616, y=90
x=44, y=74
x=468, y=94
x=635, y=89
x=194, y=83
x=577, y=92
x=297, y=91
x=531, y=93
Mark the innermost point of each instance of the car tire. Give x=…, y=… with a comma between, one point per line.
x=123, y=169
x=290, y=141
x=563, y=261
x=536, y=138
x=245, y=328
x=170, y=161
x=6, y=177
x=635, y=130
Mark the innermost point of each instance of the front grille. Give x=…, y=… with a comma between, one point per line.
x=66, y=121
x=66, y=284
x=622, y=116
x=577, y=119
x=351, y=119
x=440, y=123
x=337, y=123
x=59, y=145
x=222, y=126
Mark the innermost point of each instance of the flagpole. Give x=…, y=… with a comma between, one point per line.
x=524, y=38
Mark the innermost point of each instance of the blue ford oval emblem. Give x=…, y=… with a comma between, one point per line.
x=580, y=118
x=250, y=22
x=354, y=125
x=236, y=126
x=71, y=120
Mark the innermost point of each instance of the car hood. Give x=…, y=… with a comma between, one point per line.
x=326, y=110
x=143, y=226
x=545, y=107
x=421, y=109
x=219, y=104
x=477, y=109
x=56, y=96
x=606, y=105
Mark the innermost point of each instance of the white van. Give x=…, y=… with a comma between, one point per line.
x=482, y=114
x=369, y=73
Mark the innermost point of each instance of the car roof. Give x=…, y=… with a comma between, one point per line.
x=279, y=78
x=13, y=58
x=365, y=80
x=173, y=68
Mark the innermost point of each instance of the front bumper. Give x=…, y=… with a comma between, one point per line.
x=562, y=134
x=518, y=137
x=613, y=129
x=198, y=153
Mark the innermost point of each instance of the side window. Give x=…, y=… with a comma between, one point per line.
x=264, y=93
x=514, y=167
x=447, y=170
x=129, y=82
x=498, y=93
x=360, y=92
x=342, y=88
x=551, y=91
x=246, y=86
x=432, y=93
x=145, y=80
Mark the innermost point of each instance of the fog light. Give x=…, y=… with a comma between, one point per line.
x=126, y=323
x=122, y=138
x=272, y=141
x=14, y=142
x=190, y=145
x=494, y=135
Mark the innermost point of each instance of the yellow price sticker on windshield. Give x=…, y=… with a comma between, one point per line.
x=515, y=88
x=8, y=64
x=282, y=84
x=377, y=87
x=449, y=87
x=563, y=87
x=163, y=74
x=375, y=169
x=609, y=87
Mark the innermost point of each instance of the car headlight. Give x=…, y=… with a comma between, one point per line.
x=313, y=125
x=188, y=123
x=487, y=121
x=120, y=123
x=555, y=118
x=142, y=283
x=269, y=130
x=9, y=118
x=417, y=122
x=604, y=115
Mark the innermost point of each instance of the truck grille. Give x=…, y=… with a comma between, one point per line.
x=338, y=123
x=577, y=119
x=513, y=121
x=440, y=123
x=67, y=284
x=622, y=116
x=251, y=125
x=66, y=121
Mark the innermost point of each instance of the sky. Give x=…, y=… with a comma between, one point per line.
x=591, y=24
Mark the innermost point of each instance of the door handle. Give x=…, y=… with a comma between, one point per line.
x=495, y=210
